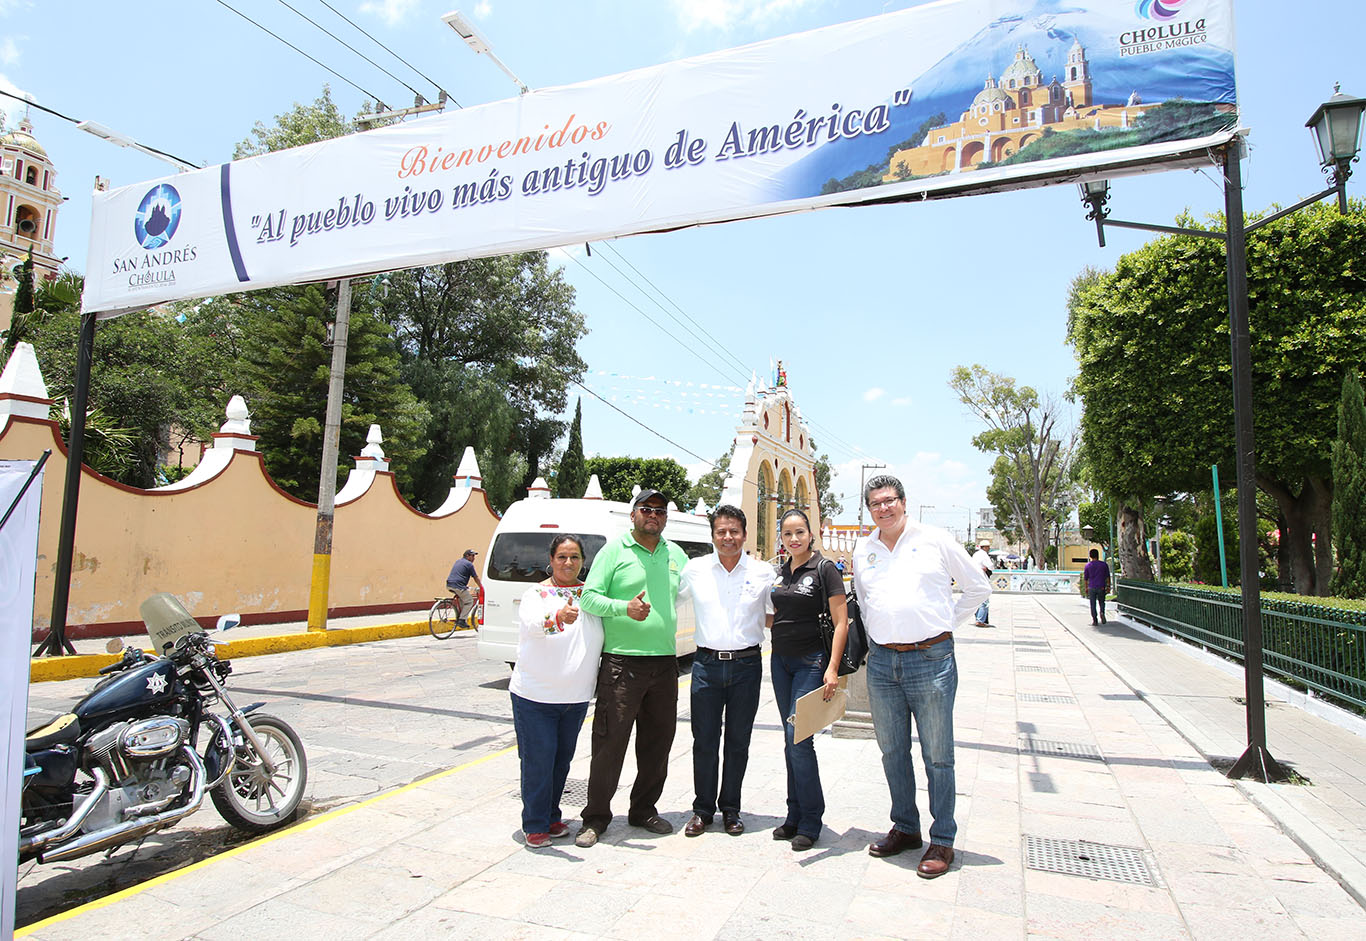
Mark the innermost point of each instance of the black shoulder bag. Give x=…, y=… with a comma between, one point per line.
x=856, y=643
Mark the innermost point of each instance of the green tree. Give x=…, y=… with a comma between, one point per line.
x=829, y=503
x=1349, y=491
x=304, y=124
x=618, y=475
x=1033, y=474
x=22, y=316
x=710, y=485
x=1207, y=548
x=1178, y=553
x=286, y=367
x=1152, y=346
x=572, y=480
x=504, y=325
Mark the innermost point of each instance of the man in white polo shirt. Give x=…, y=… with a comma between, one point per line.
x=732, y=595
x=904, y=574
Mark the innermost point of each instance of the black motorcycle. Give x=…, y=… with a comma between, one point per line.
x=126, y=761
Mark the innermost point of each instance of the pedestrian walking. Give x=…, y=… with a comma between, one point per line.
x=983, y=560
x=1097, y=578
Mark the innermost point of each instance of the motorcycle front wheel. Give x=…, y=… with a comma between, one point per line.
x=254, y=801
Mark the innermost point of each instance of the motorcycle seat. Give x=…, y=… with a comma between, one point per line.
x=62, y=730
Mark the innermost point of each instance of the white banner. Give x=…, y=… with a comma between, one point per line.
x=952, y=97
x=18, y=565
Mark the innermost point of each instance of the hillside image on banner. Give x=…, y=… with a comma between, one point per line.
x=934, y=101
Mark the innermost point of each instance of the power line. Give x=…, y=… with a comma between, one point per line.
x=78, y=121
x=391, y=52
x=379, y=101
x=324, y=29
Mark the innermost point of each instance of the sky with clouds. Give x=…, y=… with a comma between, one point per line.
x=870, y=309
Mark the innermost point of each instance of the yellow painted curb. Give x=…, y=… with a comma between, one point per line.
x=44, y=669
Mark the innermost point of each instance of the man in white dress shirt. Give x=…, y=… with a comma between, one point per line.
x=731, y=594
x=904, y=573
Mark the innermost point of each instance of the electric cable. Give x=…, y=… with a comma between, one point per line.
x=315, y=23
x=391, y=52
x=67, y=117
x=379, y=101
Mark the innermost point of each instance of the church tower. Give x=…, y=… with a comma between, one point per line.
x=1077, y=83
x=29, y=200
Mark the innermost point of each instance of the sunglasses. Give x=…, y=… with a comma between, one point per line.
x=653, y=510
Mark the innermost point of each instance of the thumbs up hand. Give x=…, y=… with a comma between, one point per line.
x=570, y=612
x=638, y=609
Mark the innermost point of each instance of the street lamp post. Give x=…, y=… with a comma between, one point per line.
x=1337, y=131
x=923, y=508
x=861, y=479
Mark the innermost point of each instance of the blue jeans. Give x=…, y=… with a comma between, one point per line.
x=983, y=612
x=728, y=688
x=546, y=735
x=919, y=685
x=793, y=678
x=1097, y=598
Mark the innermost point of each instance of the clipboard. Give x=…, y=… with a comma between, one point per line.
x=814, y=713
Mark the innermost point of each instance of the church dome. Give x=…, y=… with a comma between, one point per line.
x=1023, y=70
x=992, y=98
x=21, y=137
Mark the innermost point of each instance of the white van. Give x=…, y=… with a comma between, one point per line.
x=520, y=552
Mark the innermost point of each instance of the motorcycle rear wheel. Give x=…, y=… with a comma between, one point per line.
x=253, y=801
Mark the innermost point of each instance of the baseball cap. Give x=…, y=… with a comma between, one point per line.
x=645, y=495
x=470, y=552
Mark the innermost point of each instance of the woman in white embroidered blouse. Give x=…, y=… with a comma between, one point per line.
x=557, y=667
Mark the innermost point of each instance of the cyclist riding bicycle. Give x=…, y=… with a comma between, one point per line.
x=459, y=580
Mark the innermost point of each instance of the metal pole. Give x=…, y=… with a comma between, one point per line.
x=56, y=643
x=1256, y=761
x=327, y=482
x=1219, y=527
x=861, y=478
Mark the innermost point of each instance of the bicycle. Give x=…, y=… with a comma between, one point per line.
x=444, y=619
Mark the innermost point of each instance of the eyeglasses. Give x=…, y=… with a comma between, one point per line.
x=653, y=510
x=880, y=504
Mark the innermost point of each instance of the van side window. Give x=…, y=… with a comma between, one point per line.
x=694, y=550
x=523, y=557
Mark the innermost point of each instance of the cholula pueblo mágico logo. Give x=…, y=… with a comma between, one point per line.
x=1168, y=32
x=154, y=226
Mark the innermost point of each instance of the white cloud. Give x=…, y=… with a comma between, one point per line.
x=873, y=394
x=9, y=6
x=483, y=10
x=901, y=401
x=392, y=12
x=724, y=15
x=9, y=104
x=9, y=50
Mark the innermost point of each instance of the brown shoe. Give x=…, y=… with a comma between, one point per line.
x=734, y=825
x=895, y=842
x=935, y=862
x=696, y=826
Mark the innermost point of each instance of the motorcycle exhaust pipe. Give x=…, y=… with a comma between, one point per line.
x=73, y=823
x=135, y=829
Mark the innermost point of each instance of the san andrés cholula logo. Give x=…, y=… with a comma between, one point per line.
x=154, y=226
x=1168, y=33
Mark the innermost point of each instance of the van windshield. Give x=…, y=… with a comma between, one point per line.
x=523, y=557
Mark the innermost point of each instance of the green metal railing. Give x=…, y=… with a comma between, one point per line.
x=1321, y=647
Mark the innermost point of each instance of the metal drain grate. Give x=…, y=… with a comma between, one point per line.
x=1093, y=860
x=1032, y=643
x=1034, y=668
x=1043, y=697
x=1043, y=746
x=575, y=793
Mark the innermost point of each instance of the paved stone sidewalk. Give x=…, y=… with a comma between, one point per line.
x=1052, y=746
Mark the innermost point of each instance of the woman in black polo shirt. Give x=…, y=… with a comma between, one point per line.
x=799, y=665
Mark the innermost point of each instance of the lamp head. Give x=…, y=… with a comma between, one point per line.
x=466, y=31
x=1337, y=130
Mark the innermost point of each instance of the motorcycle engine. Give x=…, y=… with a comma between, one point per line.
x=140, y=760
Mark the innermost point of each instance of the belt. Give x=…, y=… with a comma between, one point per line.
x=922, y=645
x=731, y=654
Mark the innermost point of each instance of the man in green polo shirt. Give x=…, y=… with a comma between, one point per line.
x=632, y=586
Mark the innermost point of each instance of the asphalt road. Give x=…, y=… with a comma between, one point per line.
x=372, y=717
